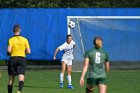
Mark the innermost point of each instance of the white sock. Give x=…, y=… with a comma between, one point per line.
x=69, y=79
x=61, y=77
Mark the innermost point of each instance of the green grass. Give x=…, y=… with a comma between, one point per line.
x=47, y=81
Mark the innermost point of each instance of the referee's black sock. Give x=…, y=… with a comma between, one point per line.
x=21, y=84
x=10, y=88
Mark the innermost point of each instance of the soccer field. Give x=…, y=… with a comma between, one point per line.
x=47, y=81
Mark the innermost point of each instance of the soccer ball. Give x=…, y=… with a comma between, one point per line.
x=71, y=24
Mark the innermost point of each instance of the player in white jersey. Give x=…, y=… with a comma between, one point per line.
x=67, y=58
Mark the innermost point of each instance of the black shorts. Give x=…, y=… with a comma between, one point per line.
x=16, y=66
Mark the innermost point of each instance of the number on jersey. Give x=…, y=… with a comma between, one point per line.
x=98, y=58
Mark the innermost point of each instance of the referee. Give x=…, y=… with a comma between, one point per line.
x=18, y=47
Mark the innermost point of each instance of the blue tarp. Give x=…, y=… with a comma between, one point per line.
x=46, y=29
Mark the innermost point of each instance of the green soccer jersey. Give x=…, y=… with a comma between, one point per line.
x=97, y=59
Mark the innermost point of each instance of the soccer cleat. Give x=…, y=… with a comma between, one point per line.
x=18, y=92
x=70, y=87
x=61, y=85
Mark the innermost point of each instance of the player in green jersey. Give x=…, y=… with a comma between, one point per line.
x=96, y=61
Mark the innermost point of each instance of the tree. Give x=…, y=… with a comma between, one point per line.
x=69, y=3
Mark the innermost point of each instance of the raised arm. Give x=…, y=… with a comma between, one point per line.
x=85, y=67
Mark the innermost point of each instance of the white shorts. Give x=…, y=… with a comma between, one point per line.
x=68, y=62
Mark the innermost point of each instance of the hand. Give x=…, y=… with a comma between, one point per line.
x=81, y=81
x=54, y=58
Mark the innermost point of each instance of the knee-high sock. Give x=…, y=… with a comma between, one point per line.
x=61, y=77
x=69, y=79
x=21, y=84
x=10, y=88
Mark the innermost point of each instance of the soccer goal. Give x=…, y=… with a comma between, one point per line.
x=120, y=35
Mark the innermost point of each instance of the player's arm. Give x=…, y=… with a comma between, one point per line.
x=9, y=49
x=85, y=67
x=27, y=47
x=28, y=50
x=107, y=66
x=60, y=48
x=55, y=53
x=73, y=44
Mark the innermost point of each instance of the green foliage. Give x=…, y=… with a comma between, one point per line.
x=69, y=3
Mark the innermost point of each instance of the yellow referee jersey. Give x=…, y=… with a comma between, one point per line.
x=19, y=45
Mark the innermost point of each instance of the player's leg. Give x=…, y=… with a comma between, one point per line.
x=91, y=84
x=10, y=83
x=21, y=73
x=69, y=71
x=21, y=82
x=63, y=64
x=11, y=75
x=102, y=85
x=102, y=88
x=89, y=89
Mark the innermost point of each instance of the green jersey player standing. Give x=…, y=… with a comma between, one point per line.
x=96, y=61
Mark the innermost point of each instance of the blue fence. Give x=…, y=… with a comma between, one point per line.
x=46, y=29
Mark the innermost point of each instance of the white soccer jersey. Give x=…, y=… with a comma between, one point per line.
x=68, y=50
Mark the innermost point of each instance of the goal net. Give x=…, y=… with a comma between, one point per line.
x=120, y=35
